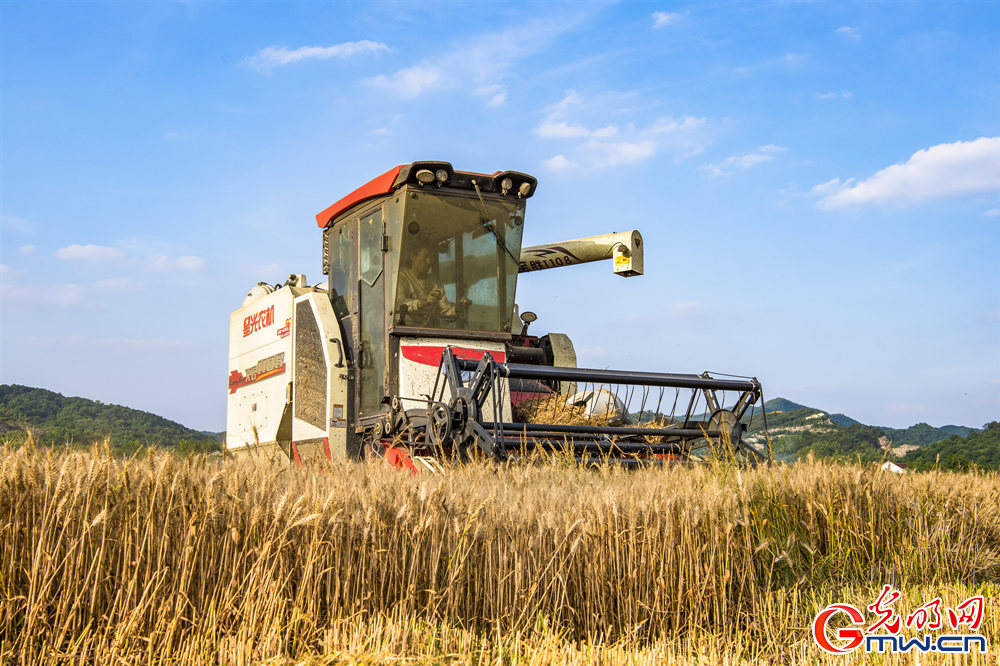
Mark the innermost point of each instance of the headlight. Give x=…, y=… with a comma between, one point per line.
x=442, y=175
x=505, y=185
x=524, y=190
x=425, y=176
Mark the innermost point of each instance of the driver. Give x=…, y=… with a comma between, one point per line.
x=419, y=288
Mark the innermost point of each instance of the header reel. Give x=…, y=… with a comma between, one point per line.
x=610, y=415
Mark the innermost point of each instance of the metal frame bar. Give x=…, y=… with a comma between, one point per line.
x=594, y=445
x=605, y=430
x=595, y=376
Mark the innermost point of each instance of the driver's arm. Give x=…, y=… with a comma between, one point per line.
x=409, y=292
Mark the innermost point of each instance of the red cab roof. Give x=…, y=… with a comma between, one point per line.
x=378, y=186
x=406, y=173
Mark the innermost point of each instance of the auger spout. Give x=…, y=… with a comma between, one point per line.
x=624, y=249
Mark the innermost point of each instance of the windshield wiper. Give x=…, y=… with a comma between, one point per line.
x=490, y=226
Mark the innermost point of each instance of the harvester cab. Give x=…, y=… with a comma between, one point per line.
x=415, y=349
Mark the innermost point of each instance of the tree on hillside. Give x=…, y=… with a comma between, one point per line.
x=980, y=449
x=56, y=419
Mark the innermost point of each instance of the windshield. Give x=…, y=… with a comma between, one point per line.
x=456, y=265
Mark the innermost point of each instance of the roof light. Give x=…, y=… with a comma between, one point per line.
x=442, y=175
x=505, y=185
x=524, y=190
x=425, y=176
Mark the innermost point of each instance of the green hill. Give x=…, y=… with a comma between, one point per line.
x=922, y=434
x=844, y=420
x=980, y=448
x=782, y=405
x=961, y=431
x=796, y=430
x=796, y=433
x=55, y=419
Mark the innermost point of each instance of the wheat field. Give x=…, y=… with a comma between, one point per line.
x=165, y=559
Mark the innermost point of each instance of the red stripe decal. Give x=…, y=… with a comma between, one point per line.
x=295, y=453
x=326, y=444
x=431, y=355
x=237, y=379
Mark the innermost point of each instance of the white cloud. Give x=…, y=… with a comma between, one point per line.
x=559, y=129
x=789, y=60
x=848, y=31
x=944, y=170
x=275, y=56
x=410, y=82
x=64, y=294
x=992, y=212
x=480, y=63
x=734, y=163
x=843, y=94
x=828, y=187
x=610, y=154
x=116, y=284
x=59, y=295
x=497, y=95
x=16, y=224
x=159, y=262
x=497, y=99
x=606, y=146
x=568, y=100
x=27, y=249
x=559, y=163
x=386, y=124
x=663, y=19
x=139, y=254
x=96, y=254
x=794, y=59
x=667, y=124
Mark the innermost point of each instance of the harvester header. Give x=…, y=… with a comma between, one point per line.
x=414, y=347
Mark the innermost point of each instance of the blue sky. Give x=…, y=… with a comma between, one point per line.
x=818, y=184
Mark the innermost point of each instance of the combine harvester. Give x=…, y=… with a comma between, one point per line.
x=414, y=349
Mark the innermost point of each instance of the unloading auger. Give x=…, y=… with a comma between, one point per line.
x=414, y=348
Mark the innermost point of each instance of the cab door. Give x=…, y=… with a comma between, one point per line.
x=371, y=338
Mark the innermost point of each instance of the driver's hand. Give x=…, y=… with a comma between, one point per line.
x=435, y=296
